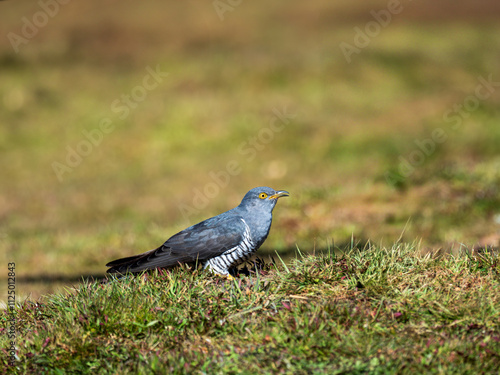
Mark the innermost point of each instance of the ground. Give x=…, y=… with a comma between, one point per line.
x=375, y=310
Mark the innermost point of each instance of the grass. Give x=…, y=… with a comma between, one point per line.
x=376, y=310
x=355, y=124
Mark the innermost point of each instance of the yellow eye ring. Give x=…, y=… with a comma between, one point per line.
x=262, y=195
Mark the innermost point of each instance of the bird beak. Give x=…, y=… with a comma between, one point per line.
x=279, y=194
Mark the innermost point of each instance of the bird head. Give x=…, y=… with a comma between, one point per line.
x=262, y=198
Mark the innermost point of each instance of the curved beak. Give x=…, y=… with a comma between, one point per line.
x=279, y=194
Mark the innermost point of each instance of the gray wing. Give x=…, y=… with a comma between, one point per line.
x=197, y=243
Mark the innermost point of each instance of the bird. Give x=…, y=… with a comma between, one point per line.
x=219, y=243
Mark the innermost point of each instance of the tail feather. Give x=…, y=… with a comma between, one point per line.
x=124, y=261
x=124, y=265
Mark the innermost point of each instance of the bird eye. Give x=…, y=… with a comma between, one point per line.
x=262, y=195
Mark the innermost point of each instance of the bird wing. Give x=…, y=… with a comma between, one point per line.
x=197, y=243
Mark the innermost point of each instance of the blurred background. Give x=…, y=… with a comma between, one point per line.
x=123, y=122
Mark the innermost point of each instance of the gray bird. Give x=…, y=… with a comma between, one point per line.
x=219, y=243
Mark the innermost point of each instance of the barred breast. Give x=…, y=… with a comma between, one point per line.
x=234, y=256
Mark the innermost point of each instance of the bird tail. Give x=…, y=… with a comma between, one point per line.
x=128, y=264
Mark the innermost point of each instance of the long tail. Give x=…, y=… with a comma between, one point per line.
x=128, y=264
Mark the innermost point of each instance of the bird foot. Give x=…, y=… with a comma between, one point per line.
x=227, y=276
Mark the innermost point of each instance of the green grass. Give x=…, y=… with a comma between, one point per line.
x=375, y=310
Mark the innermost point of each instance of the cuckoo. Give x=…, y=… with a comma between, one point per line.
x=219, y=243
